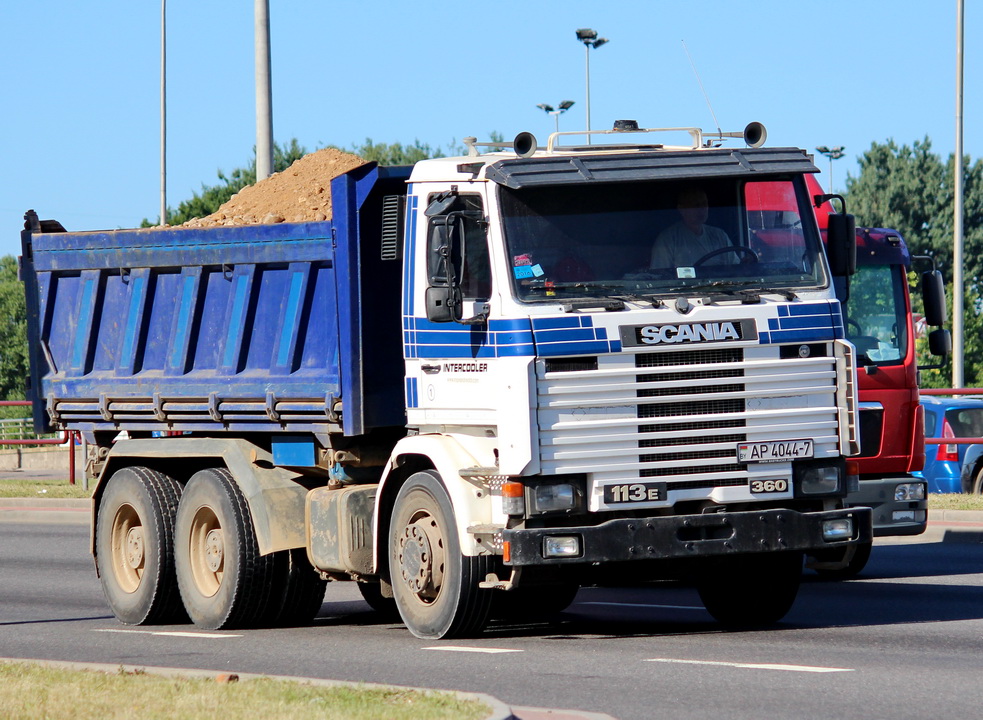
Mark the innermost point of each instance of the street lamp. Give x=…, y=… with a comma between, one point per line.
x=590, y=40
x=833, y=154
x=563, y=107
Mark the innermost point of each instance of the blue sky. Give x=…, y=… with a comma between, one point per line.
x=79, y=134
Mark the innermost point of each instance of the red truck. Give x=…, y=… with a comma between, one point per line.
x=879, y=321
x=877, y=312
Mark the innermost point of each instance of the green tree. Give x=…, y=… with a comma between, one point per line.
x=14, y=368
x=395, y=153
x=911, y=190
x=212, y=197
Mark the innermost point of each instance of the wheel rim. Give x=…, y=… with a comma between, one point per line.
x=207, y=551
x=421, y=556
x=128, y=552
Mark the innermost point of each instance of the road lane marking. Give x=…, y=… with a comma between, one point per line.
x=170, y=633
x=644, y=605
x=754, y=666
x=461, y=648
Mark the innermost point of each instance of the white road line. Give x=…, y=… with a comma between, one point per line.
x=461, y=648
x=644, y=605
x=170, y=633
x=754, y=666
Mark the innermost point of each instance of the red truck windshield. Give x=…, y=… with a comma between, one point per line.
x=876, y=320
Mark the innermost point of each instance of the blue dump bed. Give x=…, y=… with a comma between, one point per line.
x=264, y=328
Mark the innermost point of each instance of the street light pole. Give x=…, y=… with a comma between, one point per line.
x=590, y=40
x=562, y=108
x=163, y=112
x=833, y=154
x=957, y=225
x=264, y=92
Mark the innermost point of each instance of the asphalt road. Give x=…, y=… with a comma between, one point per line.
x=904, y=641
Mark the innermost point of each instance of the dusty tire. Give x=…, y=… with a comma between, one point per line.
x=224, y=581
x=297, y=590
x=434, y=585
x=853, y=567
x=385, y=607
x=751, y=590
x=135, y=546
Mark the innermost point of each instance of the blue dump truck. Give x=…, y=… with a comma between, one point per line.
x=477, y=387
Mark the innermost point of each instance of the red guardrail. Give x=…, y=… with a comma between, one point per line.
x=68, y=436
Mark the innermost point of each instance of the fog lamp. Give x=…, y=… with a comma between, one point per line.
x=552, y=498
x=839, y=529
x=909, y=491
x=818, y=479
x=557, y=546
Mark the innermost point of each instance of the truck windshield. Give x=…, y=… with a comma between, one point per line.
x=660, y=238
x=876, y=317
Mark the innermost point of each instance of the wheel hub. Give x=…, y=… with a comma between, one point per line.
x=416, y=558
x=214, y=550
x=134, y=547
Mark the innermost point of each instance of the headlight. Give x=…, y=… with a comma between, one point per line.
x=553, y=498
x=909, y=491
x=818, y=479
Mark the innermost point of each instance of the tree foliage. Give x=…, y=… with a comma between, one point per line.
x=212, y=197
x=14, y=369
x=911, y=190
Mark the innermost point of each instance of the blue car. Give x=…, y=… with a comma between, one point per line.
x=947, y=417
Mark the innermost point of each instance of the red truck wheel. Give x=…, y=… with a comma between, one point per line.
x=134, y=546
x=751, y=590
x=224, y=581
x=434, y=585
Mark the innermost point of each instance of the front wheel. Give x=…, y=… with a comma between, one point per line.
x=434, y=585
x=751, y=590
x=850, y=568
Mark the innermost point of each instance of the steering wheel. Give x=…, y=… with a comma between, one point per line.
x=739, y=249
x=851, y=325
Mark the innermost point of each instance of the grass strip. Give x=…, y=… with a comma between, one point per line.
x=29, y=691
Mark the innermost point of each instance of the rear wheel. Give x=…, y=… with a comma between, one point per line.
x=978, y=482
x=135, y=546
x=434, y=585
x=297, y=590
x=224, y=581
x=385, y=606
x=751, y=590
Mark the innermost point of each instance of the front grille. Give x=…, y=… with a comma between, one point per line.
x=680, y=415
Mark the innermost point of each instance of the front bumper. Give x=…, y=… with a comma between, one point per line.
x=890, y=516
x=690, y=536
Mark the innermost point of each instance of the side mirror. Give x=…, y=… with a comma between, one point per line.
x=841, y=244
x=940, y=342
x=443, y=304
x=443, y=295
x=933, y=298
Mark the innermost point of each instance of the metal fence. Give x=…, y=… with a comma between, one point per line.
x=19, y=432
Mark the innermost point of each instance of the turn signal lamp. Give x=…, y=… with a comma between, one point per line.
x=514, y=498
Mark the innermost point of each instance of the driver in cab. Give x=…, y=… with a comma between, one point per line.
x=683, y=243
